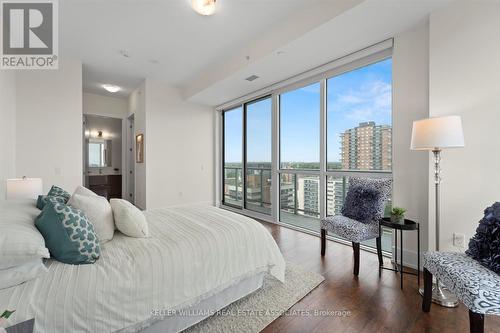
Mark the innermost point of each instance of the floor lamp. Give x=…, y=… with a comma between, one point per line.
x=435, y=134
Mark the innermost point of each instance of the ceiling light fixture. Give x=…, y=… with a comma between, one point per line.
x=204, y=7
x=111, y=88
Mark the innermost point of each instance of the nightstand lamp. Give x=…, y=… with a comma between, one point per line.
x=23, y=188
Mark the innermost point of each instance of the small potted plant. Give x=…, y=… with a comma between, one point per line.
x=3, y=320
x=398, y=215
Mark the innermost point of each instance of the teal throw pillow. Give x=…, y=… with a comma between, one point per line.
x=43, y=199
x=56, y=191
x=68, y=234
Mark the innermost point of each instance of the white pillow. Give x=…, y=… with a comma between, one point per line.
x=98, y=210
x=20, y=240
x=129, y=219
x=13, y=276
x=84, y=191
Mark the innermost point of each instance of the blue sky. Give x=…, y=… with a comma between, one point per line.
x=353, y=97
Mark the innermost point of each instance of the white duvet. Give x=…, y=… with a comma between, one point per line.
x=192, y=253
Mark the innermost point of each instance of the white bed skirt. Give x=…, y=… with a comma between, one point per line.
x=193, y=315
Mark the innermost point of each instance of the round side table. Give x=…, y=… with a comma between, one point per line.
x=406, y=225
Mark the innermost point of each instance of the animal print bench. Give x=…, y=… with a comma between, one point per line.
x=475, y=285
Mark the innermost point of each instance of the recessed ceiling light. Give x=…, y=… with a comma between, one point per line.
x=204, y=7
x=252, y=78
x=111, y=88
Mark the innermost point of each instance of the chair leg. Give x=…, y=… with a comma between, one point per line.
x=355, y=247
x=426, y=302
x=476, y=322
x=379, y=251
x=323, y=241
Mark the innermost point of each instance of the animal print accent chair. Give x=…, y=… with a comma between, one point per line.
x=353, y=230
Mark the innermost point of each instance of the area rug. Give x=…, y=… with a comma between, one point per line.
x=257, y=310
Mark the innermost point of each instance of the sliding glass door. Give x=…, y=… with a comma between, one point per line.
x=247, y=137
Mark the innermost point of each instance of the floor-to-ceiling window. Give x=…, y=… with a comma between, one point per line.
x=326, y=132
x=359, y=131
x=299, y=137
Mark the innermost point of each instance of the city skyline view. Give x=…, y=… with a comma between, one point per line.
x=358, y=96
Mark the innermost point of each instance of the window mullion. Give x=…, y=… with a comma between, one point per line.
x=322, y=155
x=275, y=181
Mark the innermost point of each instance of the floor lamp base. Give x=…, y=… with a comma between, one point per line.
x=441, y=296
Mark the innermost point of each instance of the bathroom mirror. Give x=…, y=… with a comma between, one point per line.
x=99, y=152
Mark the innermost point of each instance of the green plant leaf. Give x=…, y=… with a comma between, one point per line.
x=398, y=211
x=6, y=314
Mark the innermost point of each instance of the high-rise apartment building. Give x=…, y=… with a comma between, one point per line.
x=308, y=195
x=335, y=193
x=367, y=147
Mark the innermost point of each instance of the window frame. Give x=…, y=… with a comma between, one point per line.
x=245, y=144
x=302, y=80
x=223, y=156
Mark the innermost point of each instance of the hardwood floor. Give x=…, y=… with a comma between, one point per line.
x=376, y=304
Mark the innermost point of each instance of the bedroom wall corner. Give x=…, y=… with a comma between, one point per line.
x=49, y=124
x=411, y=102
x=180, y=148
x=7, y=128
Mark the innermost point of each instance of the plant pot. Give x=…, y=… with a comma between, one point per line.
x=397, y=219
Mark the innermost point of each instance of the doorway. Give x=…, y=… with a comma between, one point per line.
x=130, y=160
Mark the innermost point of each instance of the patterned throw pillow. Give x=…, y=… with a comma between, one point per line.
x=485, y=245
x=363, y=204
x=68, y=234
x=56, y=191
x=43, y=199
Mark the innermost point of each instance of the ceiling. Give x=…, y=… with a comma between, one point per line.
x=124, y=41
x=165, y=39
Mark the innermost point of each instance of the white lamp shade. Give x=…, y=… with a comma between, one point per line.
x=24, y=188
x=437, y=133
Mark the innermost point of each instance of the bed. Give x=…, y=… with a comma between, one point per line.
x=197, y=258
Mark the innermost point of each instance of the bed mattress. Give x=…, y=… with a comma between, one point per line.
x=192, y=254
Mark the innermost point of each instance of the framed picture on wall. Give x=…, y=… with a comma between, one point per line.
x=139, y=148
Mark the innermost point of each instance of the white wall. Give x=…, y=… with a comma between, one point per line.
x=137, y=107
x=7, y=128
x=49, y=125
x=180, y=149
x=105, y=105
x=411, y=102
x=465, y=80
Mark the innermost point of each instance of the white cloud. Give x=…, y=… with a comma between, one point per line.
x=370, y=101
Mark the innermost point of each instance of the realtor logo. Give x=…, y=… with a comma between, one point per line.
x=29, y=34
